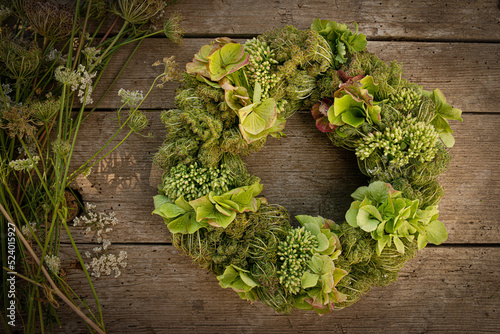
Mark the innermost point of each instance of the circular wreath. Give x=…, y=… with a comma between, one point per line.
x=232, y=97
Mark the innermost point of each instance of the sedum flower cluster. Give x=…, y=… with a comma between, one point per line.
x=406, y=139
x=405, y=100
x=193, y=181
x=295, y=251
x=259, y=66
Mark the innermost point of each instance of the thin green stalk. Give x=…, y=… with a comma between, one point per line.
x=57, y=291
x=89, y=5
x=115, y=39
x=82, y=263
x=113, y=82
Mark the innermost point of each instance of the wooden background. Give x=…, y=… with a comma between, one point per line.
x=452, y=288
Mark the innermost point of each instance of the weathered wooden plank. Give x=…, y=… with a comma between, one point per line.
x=457, y=20
x=303, y=172
x=442, y=290
x=468, y=74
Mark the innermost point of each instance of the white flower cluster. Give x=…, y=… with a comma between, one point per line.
x=79, y=80
x=55, y=55
x=92, y=56
x=99, y=223
x=105, y=264
x=24, y=164
x=53, y=263
x=96, y=222
x=25, y=230
x=130, y=98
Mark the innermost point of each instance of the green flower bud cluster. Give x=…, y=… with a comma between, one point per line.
x=405, y=100
x=295, y=251
x=193, y=182
x=407, y=139
x=261, y=60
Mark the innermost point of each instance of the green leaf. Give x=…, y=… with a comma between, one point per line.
x=185, y=224
x=369, y=84
x=308, y=280
x=338, y=274
x=381, y=244
x=182, y=203
x=254, y=123
x=372, y=211
x=360, y=193
x=447, y=139
x=436, y=232
x=378, y=191
x=316, y=263
x=400, y=247
x=237, y=279
x=323, y=243
x=355, y=117
x=351, y=217
x=421, y=241
x=170, y=210
x=220, y=61
x=159, y=200
x=248, y=280
x=257, y=93
x=366, y=223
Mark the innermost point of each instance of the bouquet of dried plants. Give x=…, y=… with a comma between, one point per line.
x=52, y=57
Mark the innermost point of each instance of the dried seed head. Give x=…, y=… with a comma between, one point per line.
x=139, y=11
x=172, y=28
x=49, y=19
x=138, y=121
x=20, y=59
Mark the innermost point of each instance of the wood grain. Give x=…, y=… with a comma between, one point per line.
x=468, y=74
x=459, y=20
x=303, y=172
x=442, y=290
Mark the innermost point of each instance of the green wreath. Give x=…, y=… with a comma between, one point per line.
x=232, y=97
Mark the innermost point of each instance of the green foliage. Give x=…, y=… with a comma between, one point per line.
x=218, y=59
x=215, y=210
x=259, y=119
x=180, y=216
x=354, y=104
x=390, y=218
x=220, y=211
x=341, y=39
x=239, y=280
x=444, y=111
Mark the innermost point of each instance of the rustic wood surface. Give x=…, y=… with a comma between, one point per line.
x=453, y=288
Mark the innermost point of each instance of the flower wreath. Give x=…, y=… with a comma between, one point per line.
x=232, y=97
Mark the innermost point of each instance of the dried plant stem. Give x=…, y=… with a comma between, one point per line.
x=56, y=290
